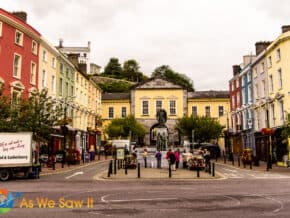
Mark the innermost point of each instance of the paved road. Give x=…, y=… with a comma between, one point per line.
x=241, y=193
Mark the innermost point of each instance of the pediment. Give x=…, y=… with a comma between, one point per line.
x=158, y=83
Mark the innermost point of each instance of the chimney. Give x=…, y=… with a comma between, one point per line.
x=285, y=28
x=236, y=69
x=22, y=15
x=60, y=43
x=74, y=59
x=83, y=68
x=260, y=46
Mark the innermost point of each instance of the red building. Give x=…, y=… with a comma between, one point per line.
x=19, y=45
x=235, y=105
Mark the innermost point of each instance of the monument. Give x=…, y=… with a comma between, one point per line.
x=161, y=130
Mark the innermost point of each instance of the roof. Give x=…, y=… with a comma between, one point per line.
x=116, y=96
x=209, y=94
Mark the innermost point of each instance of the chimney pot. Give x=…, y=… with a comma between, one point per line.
x=236, y=69
x=260, y=46
x=285, y=28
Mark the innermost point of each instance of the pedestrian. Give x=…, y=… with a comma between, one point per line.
x=145, y=157
x=207, y=159
x=177, y=158
x=158, y=158
x=184, y=159
x=172, y=160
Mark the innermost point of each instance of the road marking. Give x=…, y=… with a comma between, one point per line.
x=134, y=200
x=75, y=174
x=234, y=171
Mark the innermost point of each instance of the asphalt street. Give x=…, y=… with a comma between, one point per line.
x=81, y=193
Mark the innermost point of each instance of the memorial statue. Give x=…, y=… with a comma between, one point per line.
x=161, y=116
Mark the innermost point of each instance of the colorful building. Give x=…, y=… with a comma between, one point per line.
x=19, y=55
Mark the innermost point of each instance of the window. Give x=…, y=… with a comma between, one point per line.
x=67, y=72
x=263, y=89
x=272, y=114
x=263, y=67
x=61, y=68
x=172, y=107
x=278, y=54
x=0, y=29
x=15, y=97
x=271, y=83
x=71, y=91
x=249, y=76
x=18, y=37
x=43, y=82
x=281, y=108
x=111, y=112
x=44, y=55
x=250, y=93
x=53, y=63
x=158, y=105
x=207, y=111
x=221, y=111
x=33, y=73
x=194, y=111
x=124, y=112
x=280, y=82
x=238, y=99
x=53, y=84
x=270, y=61
x=66, y=89
x=232, y=85
x=17, y=66
x=237, y=83
x=145, y=107
x=233, y=102
x=256, y=92
x=60, y=86
x=34, y=47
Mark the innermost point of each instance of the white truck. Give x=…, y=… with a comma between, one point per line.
x=16, y=154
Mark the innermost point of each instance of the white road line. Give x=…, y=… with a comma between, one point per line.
x=234, y=171
x=75, y=174
x=134, y=200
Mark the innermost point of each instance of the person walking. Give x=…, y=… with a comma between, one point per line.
x=158, y=158
x=172, y=160
x=145, y=157
x=184, y=159
x=177, y=158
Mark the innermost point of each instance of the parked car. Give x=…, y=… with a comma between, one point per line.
x=214, y=149
x=59, y=157
x=43, y=158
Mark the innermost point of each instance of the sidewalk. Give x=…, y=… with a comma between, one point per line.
x=262, y=166
x=67, y=168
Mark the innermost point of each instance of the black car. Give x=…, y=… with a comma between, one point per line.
x=214, y=149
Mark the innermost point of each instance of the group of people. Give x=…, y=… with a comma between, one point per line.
x=173, y=158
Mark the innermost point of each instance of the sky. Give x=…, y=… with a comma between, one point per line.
x=202, y=39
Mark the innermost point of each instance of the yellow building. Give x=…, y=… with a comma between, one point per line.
x=145, y=99
x=277, y=56
x=47, y=67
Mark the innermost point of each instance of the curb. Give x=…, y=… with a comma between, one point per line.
x=56, y=172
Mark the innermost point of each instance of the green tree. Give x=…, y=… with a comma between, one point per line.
x=120, y=86
x=205, y=128
x=123, y=127
x=166, y=72
x=5, y=114
x=113, y=69
x=131, y=70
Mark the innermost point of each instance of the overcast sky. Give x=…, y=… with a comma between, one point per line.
x=199, y=38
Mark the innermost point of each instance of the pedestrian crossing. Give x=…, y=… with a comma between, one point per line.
x=246, y=174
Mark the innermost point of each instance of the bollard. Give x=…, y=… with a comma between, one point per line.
x=53, y=166
x=110, y=168
x=197, y=172
x=138, y=170
x=213, y=169
x=169, y=171
x=233, y=160
x=209, y=168
x=115, y=166
x=225, y=159
x=126, y=171
x=251, y=165
x=99, y=155
x=216, y=157
x=239, y=161
x=118, y=164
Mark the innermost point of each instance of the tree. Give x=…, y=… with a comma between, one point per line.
x=205, y=128
x=123, y=127
x=166, y=72
x=113, y=68
x=131, y=70
x=120, y=86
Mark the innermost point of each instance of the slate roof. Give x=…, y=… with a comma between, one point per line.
x=115, y=96
x=208, y=94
